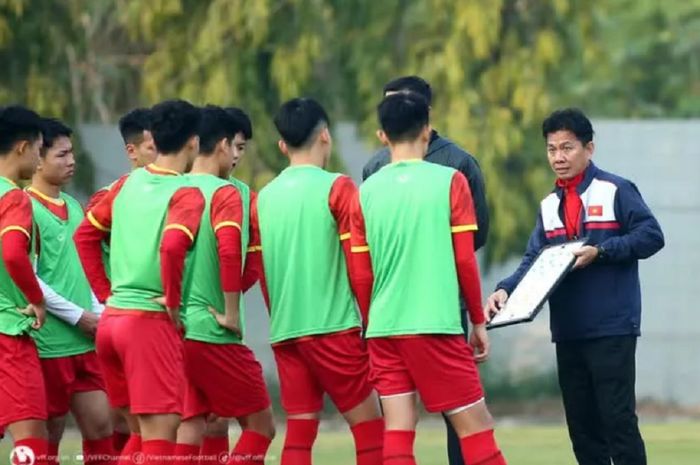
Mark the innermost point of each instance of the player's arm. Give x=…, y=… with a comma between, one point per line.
x=88, y=241
x=463, y=224
x=181, y=227
x=226, y=220
x=342, y=195
x=253, y=262
x=15, y=227
x=361, y=274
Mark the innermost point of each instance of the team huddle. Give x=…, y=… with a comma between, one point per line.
x=130, y=315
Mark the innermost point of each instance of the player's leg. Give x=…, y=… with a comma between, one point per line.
x=454, y=449
x=302, y=400
x=61, y=374
x=612, y=365
x=447, y=379
x=23, y=396
x=55, y=426
x=153, y=356
x=257, y=432
x=580, y=406
x=396, y=389
x=121, y=431
x=112, y=371
x=189, y=438
x=341, y=365
x=215, y=441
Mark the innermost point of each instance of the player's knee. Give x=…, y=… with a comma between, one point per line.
x=262, y=423
x=55, y=427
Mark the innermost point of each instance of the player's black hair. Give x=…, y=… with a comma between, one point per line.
x=52, y=129
x=245, y=126
x=299, y=119
x=216, y=124
x=569, y=119
x=173, y=123
x=413, y=84
x=132, y=125
x=403, y=116
x=17, y=123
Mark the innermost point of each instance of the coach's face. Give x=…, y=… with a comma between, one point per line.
x=567, y=155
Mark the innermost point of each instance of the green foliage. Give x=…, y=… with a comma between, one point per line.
x=497, y=68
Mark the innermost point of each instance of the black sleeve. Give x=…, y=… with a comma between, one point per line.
x=378, y=160
x=472, y=171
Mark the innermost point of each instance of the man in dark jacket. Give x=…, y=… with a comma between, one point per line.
x=596, y=310
x=444, y=152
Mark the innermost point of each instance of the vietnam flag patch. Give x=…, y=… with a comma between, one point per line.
x=595, y=210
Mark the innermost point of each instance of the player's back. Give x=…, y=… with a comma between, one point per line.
x=303, y=261
x=406, y=209
x=138, y=216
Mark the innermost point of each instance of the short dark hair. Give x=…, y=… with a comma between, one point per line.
x=403, y=116
x=245, y=126
x=17, y=123
x=52, y=129
x=569, y=119
x=173, y=123
x=298, y=120
x=216, y=124
x=132, y=125
x=413, y=84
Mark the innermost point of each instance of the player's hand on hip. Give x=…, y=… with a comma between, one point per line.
x=173, y=313
x=479, y=339
x=88, y=323
x=38, y=311
x=232, y=324
x=495, y=303
x=585, y=256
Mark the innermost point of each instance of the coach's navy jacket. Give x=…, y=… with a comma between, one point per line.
x=603, y=299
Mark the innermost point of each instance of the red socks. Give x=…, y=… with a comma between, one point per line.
x=300, y=437
x=213, y=448
x=187, y=454
x=369, y=441
x=250, y=449
x=119, y=440
x=132, y=446
x=157, y=452
x=39, y=447
x=99, y=451
x=52, y=458
x=398, y=447
x=481, y=449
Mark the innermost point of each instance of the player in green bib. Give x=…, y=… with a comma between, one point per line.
x=22, y=393
x=412, y=238
x=65, y=342
x=152, y=217
x=140, y=150
x=303, y=222
x=223, y=376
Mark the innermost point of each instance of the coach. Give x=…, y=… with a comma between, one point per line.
x=444, y=152
x=596, y=310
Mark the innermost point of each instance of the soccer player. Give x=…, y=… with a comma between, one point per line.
x=223, y=375
x=134, y=128
x=303, y=217
x=65, y=342
x=215, y=441
x=153, y=217
x=412, y=238
x=22, y=393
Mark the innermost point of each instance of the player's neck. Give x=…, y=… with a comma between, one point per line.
x=306, y=157
x=9, y=169
x=407, y=151
x=49, y=190
x=205, y=165
x=175, y=162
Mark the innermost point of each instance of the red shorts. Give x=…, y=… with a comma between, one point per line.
x=67, y=376
x=336, y=364
x=22, y=393
x=440, y=367
x=224, y=379
x=141, y=355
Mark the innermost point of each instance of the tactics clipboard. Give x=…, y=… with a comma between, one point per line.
x=544, y=275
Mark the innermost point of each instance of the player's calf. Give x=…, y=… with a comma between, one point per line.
x=258, y=432
x=474, y=426
x=367, y=426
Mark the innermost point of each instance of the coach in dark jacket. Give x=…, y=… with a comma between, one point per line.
x=596, y=310
x=443, y=152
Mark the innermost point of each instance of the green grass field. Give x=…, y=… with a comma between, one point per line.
x=667, y=444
